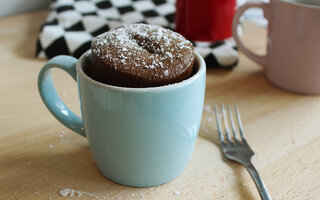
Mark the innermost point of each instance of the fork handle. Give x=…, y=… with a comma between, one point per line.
x=264, y=194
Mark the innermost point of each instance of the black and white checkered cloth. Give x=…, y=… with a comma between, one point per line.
x=72, y=24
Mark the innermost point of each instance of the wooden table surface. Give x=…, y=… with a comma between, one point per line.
x=39, y=157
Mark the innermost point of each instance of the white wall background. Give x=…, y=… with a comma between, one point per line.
x=254, y=14
x=10, y=7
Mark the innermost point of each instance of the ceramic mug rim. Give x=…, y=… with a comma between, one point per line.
x=198, y=59
x=301, y=4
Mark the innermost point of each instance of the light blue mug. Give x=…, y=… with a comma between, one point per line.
x=139, y=136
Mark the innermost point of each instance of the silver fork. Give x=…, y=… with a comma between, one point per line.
x=238, y=150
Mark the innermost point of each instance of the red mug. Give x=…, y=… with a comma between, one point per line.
x=206, y=20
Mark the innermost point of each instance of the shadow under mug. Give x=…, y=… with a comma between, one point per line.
x=138, y=136
x=292, y=61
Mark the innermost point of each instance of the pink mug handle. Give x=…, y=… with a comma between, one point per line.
x=261, y=60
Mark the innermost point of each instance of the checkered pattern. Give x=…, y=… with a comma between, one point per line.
x=72, y=24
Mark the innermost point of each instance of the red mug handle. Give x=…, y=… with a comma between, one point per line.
x=261, y=60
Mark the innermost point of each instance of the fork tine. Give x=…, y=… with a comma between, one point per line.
x=239, y=122
x=221, y=138
x=225, y=123
x=232, y=125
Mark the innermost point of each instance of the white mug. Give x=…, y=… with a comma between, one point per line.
x=292, y=61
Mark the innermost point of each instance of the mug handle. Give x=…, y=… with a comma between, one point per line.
x=262, y=60
x=50, y=97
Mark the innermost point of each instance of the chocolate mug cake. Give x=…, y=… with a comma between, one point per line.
x=140, y=55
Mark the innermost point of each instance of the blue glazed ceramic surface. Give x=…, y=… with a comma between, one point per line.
x=139, y=136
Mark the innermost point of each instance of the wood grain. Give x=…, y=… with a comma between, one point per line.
x=39, y=156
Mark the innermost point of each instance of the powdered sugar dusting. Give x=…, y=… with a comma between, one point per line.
x=166, y=72
x=141, y=48
x=67, y=192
